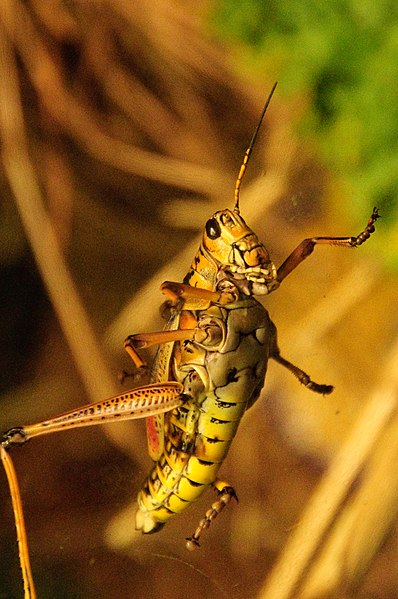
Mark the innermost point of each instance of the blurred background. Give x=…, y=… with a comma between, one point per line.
x=123, y=127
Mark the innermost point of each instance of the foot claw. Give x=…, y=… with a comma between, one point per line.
x=192, y=544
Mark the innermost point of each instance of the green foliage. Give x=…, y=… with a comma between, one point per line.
x=343, y=55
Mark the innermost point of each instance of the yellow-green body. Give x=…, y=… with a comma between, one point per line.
x=222, y=370
x=198, y=435
x=221, y=366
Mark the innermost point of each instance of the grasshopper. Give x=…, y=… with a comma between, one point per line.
x=209, y=369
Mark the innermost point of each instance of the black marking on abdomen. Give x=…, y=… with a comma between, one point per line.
x=218, y=421
x=225, y=404
x=232, y=375
x=193, y=483
x=205, y=462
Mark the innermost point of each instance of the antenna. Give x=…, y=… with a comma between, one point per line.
x=249, y=150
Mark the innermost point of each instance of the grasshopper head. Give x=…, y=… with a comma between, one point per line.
x=238, y=254
x=230, y=250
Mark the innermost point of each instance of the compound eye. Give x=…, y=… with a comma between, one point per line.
x=213, y=229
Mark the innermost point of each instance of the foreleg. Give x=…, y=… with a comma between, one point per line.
x=307, y=246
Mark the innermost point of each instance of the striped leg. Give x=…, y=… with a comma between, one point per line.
x=141, y=402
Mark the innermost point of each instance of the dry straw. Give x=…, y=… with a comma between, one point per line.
x=353, y=508
x=355, y=505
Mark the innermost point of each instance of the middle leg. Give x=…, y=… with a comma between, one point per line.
x=225, y=494
x=302, y=376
